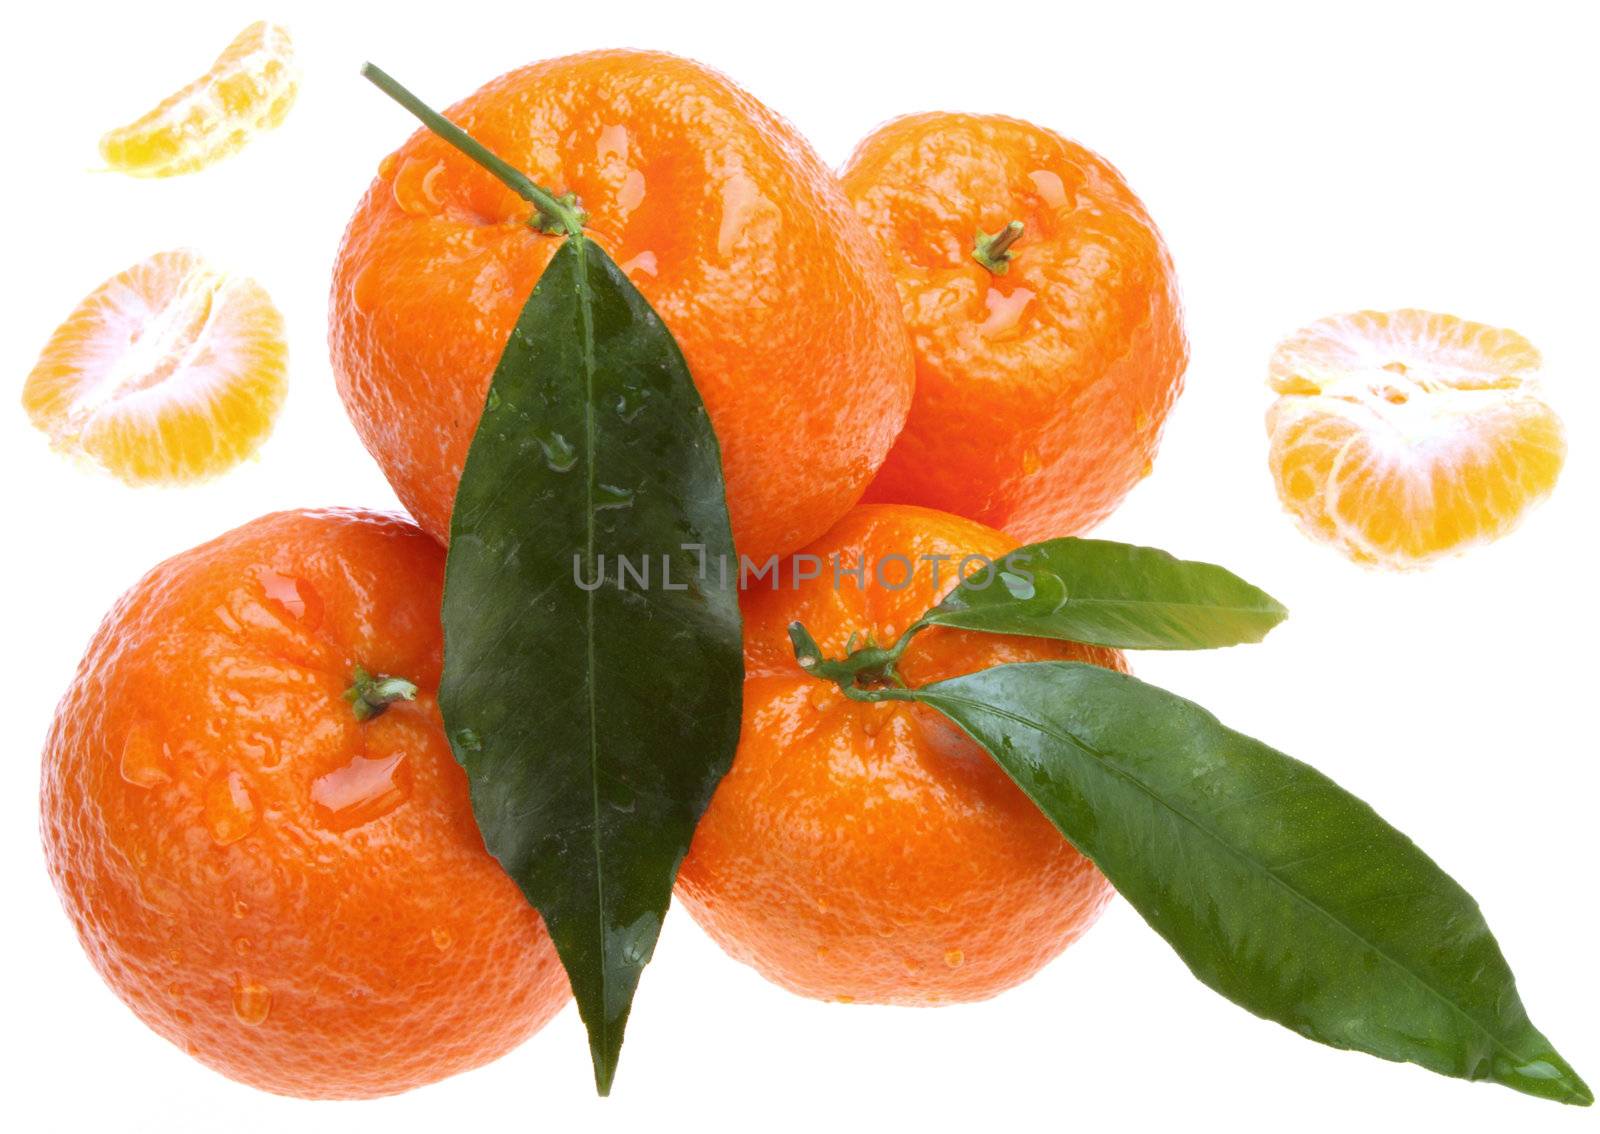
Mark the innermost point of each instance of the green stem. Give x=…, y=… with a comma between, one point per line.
x=556, y=214
x=994, y=252
x=370, y=695
x=864, y=674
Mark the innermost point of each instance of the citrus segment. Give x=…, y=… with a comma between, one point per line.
x=250, y=88
x=1403, y=436
x=170, y=371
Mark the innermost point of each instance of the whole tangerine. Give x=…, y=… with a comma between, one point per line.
x=267, y=850
x=872, y=852
x=1044, y=312
x=715, y=208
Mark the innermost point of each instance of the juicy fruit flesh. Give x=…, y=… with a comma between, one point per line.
x=249, y=88
x=873, y=852
x=297, y=898
x=1402, y=437
x=170, y=371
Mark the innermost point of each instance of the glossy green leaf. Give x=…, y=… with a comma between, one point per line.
x=1278, y=888
x=594, y=721
x=1110, y=594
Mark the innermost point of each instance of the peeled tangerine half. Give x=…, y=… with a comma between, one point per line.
x=1404, y=436
x=170, y=371
x=250, y=88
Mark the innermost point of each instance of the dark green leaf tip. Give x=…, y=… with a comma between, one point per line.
x=1279, y=889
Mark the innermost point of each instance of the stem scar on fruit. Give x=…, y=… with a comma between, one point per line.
x=555, y=215
x=370, y=695
x=994, y=252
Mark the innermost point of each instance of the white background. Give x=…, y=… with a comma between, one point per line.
x=1301, y=162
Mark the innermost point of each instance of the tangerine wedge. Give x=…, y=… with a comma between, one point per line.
x=1401, y=437
x=170, y=371
x=250, y=88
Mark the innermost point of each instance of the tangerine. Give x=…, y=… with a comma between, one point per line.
x=255, y=822
x=871, y=851
x=1044, y=313
x=719, y=213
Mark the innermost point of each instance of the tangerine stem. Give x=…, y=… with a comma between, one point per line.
x=871, y=663
x=370, y=695
x=556, y=214
x=994, y=252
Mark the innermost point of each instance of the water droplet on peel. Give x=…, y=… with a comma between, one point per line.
x=1141, y=422
x=744, y=210
x=251, y=1003
x=819, y=698
x=145, y=760
x=240, y=907
x=954, y=957
x=492, y=402
x=1051, y=189
x=368, y=289
x=1005, y=311
x=360, y=791
x=296, y=597
x=468, y=741
x=844, y=999
x=630, y=194
x=242, y=946
x=415, y=186
x=644, y=264
x=230, y=809
x=1031, y=462
x=612, y=143
x=877, y=715
x=443, y=939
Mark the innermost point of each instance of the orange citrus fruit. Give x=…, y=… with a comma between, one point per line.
x=169, y=371
x=1403, y=436
x=276, y=868
x=1044, y=313
x=872, y=852
x=720, y=214
x=249, y=88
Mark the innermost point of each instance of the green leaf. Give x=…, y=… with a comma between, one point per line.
x=1110, y=594
x=594, y=724
x=1278, y=888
